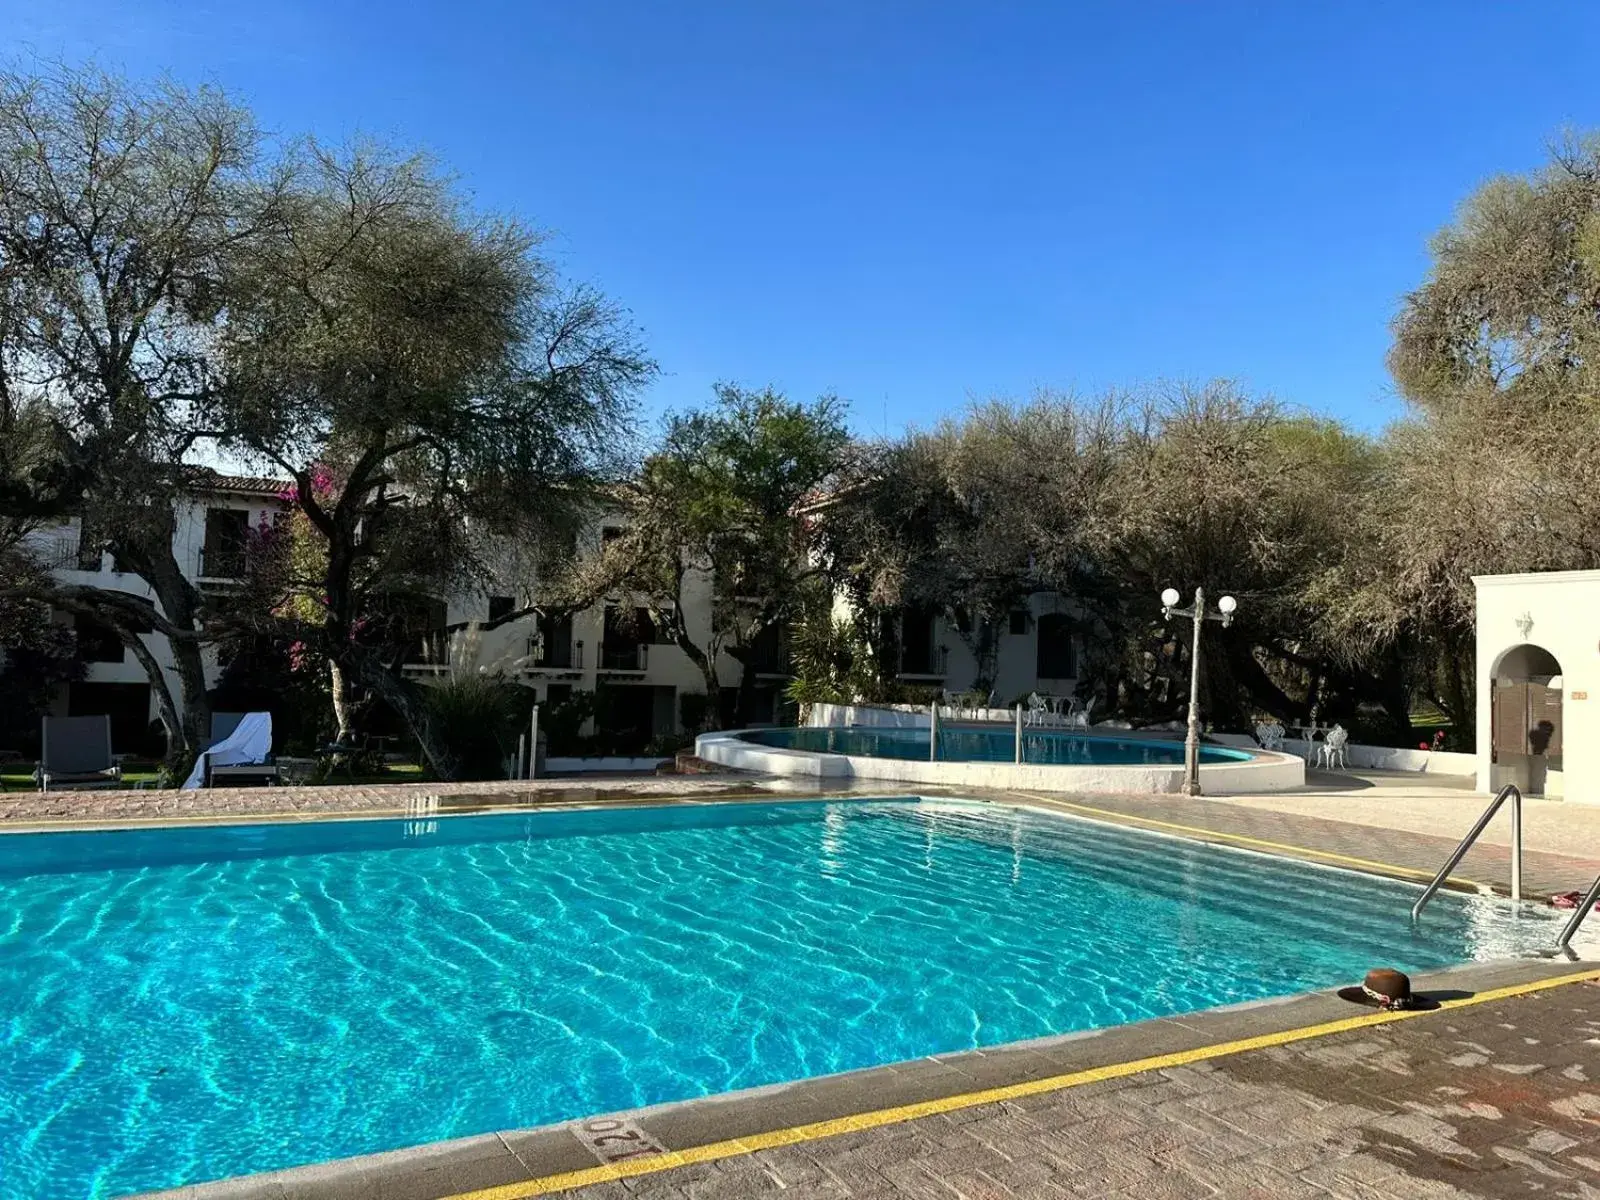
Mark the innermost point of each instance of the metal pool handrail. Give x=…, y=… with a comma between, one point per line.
x=1585, y=907
x=1460, y=852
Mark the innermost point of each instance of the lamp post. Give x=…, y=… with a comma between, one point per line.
x=1196, y=612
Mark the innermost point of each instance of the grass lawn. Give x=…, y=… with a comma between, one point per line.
x=15, y=778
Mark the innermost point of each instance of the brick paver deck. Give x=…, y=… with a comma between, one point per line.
x=1543, y=872
x=155, y=804
x=1501, y=1100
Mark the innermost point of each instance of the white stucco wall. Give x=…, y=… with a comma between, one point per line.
x=1560, y=612
x=58, y=546
x=1265, y=772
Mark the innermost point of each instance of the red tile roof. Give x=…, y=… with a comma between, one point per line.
x=207, y=480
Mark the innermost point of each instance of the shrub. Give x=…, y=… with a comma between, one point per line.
x=478, y=708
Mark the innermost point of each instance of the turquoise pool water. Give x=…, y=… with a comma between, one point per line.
x=966, y=744
x=184, y=1005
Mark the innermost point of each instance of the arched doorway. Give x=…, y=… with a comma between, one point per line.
x=1525, y=720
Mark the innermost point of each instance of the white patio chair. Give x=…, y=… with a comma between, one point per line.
x=1038, y=706
x=1332, y=748
x=1270, y=735
x=1080, y=713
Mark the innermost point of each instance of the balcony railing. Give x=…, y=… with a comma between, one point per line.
x=221, y=562
x=931, y=666
x=58, y=553
x=625, y=656
x=429, y=654
x=547, y=655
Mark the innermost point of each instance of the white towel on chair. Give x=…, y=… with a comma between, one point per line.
x=250, y=742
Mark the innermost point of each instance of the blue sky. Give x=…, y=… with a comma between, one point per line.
x=918, y=204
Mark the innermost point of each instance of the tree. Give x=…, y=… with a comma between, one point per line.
x=1216, y=489
x=970, y=519
x=1511, y=304
x=434, y=391
x=1107, y=502
x=36, y=655
x=1496, y=469
x=715, y=511
x=119, y=207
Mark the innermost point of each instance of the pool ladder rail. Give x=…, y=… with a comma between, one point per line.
x=1514, y=794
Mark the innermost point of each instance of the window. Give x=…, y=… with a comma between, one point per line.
x=417, y=624
x=625, y=631
x=557, y=693
x=91, y=545
x=768, y=652
x=918, y=654
x=97, y=643
x=1057, y=657
x=501, y=607
x=1019, y=621
x=222, y=556
x=648, y=632
x=555, y=641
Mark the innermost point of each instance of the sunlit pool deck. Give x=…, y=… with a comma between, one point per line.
x=1126, y=1107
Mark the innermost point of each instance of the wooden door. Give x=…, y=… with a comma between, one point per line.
x=1509, y=720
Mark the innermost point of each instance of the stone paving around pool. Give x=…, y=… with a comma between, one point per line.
x=1501, y=1100
x=106, y=806
x=1374, y=847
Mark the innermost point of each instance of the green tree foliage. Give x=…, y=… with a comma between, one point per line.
x=968, y=520
x=1108, y=502
x=1498, y=467
x=714, y=524
x=433, y=389
x=119, y=207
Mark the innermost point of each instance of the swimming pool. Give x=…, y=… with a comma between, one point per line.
x=187, y=1004
x=995, y=745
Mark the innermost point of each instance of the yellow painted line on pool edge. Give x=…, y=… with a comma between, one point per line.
x=877, y=1118
x=1366, y=864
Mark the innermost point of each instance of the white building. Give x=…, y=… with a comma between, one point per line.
x=558, y=655
x=208, y=543
x=603, y=646
x=1538, y=682
x=1039, y=649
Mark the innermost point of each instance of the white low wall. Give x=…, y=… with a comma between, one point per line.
x=908, y=716
x=1374, y=758
x=899, y=716
x=1265, y=772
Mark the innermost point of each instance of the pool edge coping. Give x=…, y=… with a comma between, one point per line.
x=1022, y=797
x=542, y=1160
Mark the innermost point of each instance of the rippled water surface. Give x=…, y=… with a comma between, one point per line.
x=177, y=1006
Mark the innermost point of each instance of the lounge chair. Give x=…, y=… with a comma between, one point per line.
x=76, y=753
x=240, y=752
x=222, y=726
